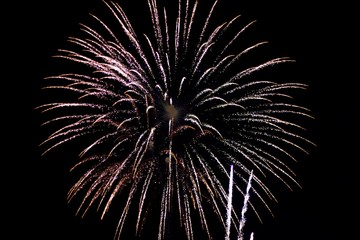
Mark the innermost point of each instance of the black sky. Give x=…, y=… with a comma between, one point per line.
x=320, y=36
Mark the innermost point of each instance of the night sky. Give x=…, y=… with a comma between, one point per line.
x=320, y=37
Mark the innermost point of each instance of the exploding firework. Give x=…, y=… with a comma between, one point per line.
x=161, y=116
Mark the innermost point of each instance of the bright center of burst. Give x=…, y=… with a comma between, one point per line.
x=171, y=111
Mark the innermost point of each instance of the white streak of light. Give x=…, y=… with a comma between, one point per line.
x=244, y=208
x=229, y=205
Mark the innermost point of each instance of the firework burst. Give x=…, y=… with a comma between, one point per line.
x=162, y=115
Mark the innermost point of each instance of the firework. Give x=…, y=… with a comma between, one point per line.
x=161, y=116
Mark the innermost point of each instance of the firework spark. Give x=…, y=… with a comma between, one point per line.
x=165, y=113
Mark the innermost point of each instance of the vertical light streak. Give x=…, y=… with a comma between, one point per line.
x=229, y=205
x=244, y=209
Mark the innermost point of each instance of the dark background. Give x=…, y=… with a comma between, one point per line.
x=320, y=36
